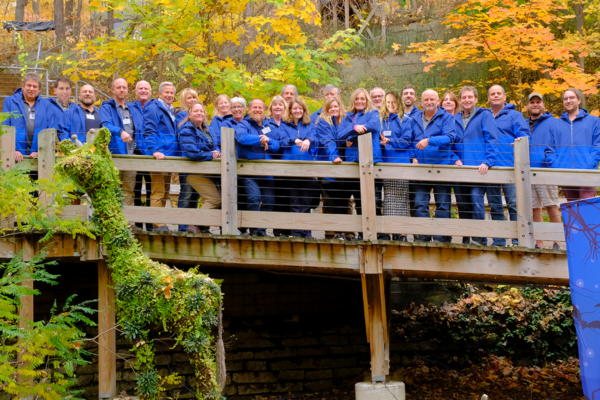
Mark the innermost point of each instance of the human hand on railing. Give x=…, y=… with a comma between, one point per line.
x=126, y=137
x=459, y=163
x=415, y=161
x=264, y=139
x=216, y=154
x=337, y=161
x=483, y=169
x=384, y=141
x=33, y=155
x=18, y=156
x=422, y=144
x=516, y=140
x=304, y=145
x=159, y=156
x=348, y=143
x=360, y=129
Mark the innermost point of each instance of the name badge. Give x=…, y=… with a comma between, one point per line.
x=126, y=121
x=31, y=116
x=387, y=133
x=89, y=116
x=266, y=130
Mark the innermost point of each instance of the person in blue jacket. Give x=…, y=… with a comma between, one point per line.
x=361, y=118
x=409, y=100
x=396, y=137
x=30, y=114
x=221, y=117
x=197, y=144
x=257, y=139
x=511, y=127
x=433, y=134
x=62, y=90
x=328, y=92
x=477, y=134
x=575, y=144
x=80, y=119
x=125, y=121
x=160, y=136
x=297, y=135
x=541, y=124
x=328, y=149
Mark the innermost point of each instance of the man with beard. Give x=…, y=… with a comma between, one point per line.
x=409, y=99
x=81, y=118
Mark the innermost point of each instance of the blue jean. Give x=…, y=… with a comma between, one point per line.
x=494, y=198
x=510, y=195
x=441, y=194
x=188, y=198
x=260, y=196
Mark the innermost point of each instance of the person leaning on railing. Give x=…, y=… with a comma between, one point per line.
x=80, y=119
x=575, y=144
x=197, y=144
x=361, y=118
x=220, y=117
x=396, y=137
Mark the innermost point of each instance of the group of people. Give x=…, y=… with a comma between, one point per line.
x=450, y=130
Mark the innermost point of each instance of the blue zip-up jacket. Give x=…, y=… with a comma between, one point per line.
x=215, y=128
x=46, y=116
x=346, y=132
x=413, y=112
x=400, y=146
x=441, y=133
x=110, y=118
x=316, y=115
x=575, y=144
x=160, y=132
x=474, y=144
x=194, y=145
x=72, y=122
x=179, y=117
x=55, y=103
x=289, y=132
x=511, y=125
x=327, y=147
x=544, y=127
x=247, y=135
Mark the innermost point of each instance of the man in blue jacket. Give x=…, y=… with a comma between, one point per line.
x=409, y=99
x=30, y=114
x=81, y=118
x=511, y=127
x=576, y=143
x=62, y=90
x=433, y=132
x=477, y=133
x=160, y=141
x=257, y=140
x=125, y=121
x=541, y=125
x=328, y=91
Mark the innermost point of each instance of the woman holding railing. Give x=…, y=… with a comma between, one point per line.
x=198, y=145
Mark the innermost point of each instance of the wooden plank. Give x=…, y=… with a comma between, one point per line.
x=443, y=173
x=90, y=249
x=450, y=226
x=7, y=147
x=525, y=227
x=174, y=216
x=549, y=231
x=169, y=164
x=565, y=177
x=376, y=319
x=365, y=293
x=367, y=187
x=107, y=342
x=229, y=193
x=46, y=158
x=27, y=245
x=280, y=220
x=371, y=260
x=318, y=169
x=73, y=212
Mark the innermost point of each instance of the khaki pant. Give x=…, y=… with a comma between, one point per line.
x=160, y=187
x=128, y=179
x=211, y=198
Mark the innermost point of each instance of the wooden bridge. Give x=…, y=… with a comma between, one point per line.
x=375, y=261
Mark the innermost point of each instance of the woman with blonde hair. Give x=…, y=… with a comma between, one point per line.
x=187, y=97
x=221, y=117
x=277, y=110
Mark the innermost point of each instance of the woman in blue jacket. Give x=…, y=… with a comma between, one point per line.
x=197, y=144
x=361, y=118
x=297, y=134
x=220, y=118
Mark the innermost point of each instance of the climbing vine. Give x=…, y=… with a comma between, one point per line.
x=148, y=293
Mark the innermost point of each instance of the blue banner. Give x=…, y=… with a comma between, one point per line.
x=581, y=220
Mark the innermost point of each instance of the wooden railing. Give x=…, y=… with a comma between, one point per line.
x=229, y=218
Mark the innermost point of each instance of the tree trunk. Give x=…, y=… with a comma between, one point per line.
x=69, y=17
x=77, y=23
x=59, y=21
x=579, y=20
x=20, y=10
x=36, y=8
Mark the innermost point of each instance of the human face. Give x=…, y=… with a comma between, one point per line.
x=168, y=94
x=391, y=103
x=289, y=94
x=468, y=101
x=377, y=97
x=277, y=109
x=297, y=111
x=223, y=106
x=63, y=92
x=257, y=110
x=535, y=108
x=87, y=95
x=360, y=103
x=571, y=102
x=330, y=93
x=197, y=114
x=120, y=90
x=143, y=91
x=190, y=99
x=31, y=90
x=449, y=105
x=334, y=109
x=496, y=96
x=237, y=111
x=430, y=100
x=409, y=97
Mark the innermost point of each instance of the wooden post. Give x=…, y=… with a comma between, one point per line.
x=89, y=137
x=367, y=187
x=46, y=157
x=347, y=13
x=523, y=189
x=26, y=244
x=229, y=216
x=107, y=342
x=8, y=146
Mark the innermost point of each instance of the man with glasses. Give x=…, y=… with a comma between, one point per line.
x=377, y=96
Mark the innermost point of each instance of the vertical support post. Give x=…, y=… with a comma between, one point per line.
x=107, y=342
x=90, y=136
x=46, y=158
x=229, y=216
x=367, y=187
x=347, y=13
x=7, y=147
x=523, y=189
x=26, y=312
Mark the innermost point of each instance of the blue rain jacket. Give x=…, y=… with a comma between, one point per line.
x=215, y=128
x=46, y=116
x=575, y=144
x=327, y=148
x=160, y=132
x=413, y=112
x=55, y=103
x=179, y=117
x=540, y=137
x=441, y=132
x=289, y=132
x=475, y=144
x=194, y=144
x=110, y=118
x=346, y=132
x=400, y=134
x=511, y=125
x=316, y=115
x=72, y=122
x=247, y=135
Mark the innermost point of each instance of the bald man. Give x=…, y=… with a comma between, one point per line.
x=80, y=119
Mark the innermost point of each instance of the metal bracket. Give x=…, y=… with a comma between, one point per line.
x=378, y=379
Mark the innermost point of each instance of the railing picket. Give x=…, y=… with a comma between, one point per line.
x=229, y=215
x=523, y=189
x=7, y=145
x=367, y=187
x=46, y=158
